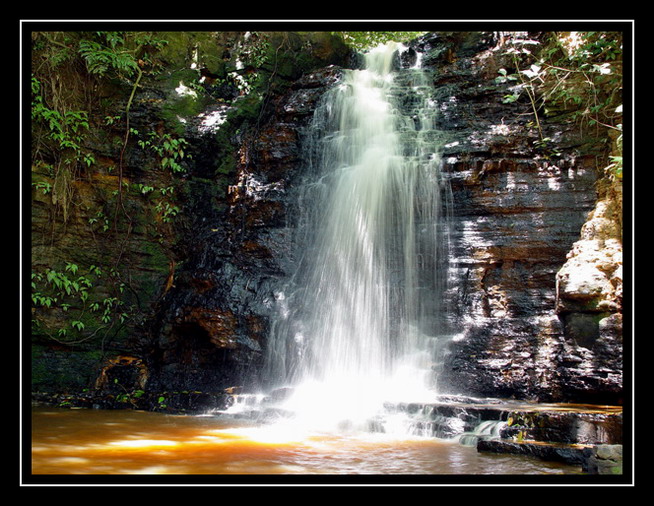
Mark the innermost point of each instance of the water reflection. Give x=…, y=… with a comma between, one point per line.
x=115, y=442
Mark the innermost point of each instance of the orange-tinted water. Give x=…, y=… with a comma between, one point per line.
x=95, y=442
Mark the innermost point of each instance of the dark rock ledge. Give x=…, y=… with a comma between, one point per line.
x=555, y=452
x=181, y=402
x=596, y=459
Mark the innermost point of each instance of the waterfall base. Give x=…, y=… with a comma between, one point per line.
x=568, y=433
x=468, y=420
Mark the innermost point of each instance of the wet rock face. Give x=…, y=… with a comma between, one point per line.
x=520, y=322
x=214, y=323
x=533, y=308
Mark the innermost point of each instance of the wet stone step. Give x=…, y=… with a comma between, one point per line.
x=570, y=427
x=555, y=423
x=557, y=452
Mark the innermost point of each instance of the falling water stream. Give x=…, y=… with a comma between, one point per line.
x=354, y=330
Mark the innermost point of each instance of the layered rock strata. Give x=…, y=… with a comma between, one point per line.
x=533, y=309
x=222, y=304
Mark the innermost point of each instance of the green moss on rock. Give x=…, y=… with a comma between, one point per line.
x=63, y=369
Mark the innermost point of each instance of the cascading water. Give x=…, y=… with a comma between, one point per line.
x=355, y=322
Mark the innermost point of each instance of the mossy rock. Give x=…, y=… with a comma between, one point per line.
x=59, y=369
x=292, y=54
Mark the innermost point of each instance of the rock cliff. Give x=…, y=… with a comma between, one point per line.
x=211, y=329
x=532, y=305
x=534, y=286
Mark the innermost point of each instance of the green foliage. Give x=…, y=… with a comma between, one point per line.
x=128, y=396
x=169, y=149
x=170, y=153
x=65, y=129
x=101, y=219
x=167, y=211
x=577, y=74
x=253, y=53
x=615, y=166
x=59, y=135
x=59, y=127
x=586, y=76
x=362, y=41
x=102, y=59
x=72, y=304
x=119, y=53
x=44, y=186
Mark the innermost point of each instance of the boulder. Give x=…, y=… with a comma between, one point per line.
x=603, y=459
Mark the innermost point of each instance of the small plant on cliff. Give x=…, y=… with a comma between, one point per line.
x=58, y=140
x=170, y=150
x=72, y=305
x=128, y=396
x=614, y=169
x=66, y=128
x=170, y=153
x=101, y=59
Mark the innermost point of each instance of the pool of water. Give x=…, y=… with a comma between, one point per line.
x=96, y=442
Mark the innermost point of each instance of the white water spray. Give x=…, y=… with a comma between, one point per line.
x=354, y=330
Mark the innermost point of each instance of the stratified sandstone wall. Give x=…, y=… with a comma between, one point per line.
x=534, y=297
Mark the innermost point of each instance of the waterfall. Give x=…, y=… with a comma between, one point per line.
x=357, y=320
